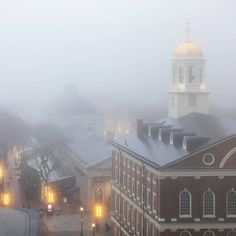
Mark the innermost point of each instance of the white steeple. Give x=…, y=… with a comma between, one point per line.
x=188, y=91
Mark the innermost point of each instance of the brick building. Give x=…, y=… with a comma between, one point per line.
x=177, y=176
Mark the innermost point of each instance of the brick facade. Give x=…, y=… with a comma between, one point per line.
x=146, y=201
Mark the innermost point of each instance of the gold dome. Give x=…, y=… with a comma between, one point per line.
x=188, y=49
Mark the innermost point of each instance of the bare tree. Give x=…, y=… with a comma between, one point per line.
x=13, y=131
x=50, y=145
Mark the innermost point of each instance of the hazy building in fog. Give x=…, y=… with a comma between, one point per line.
x=177, y=176
x=90, y=160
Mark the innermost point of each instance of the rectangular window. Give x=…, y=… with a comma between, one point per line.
x=124, y=179
x=128, y=183
x=133, y=187
x=148, y=198
x=154, y=202
x=138, y=190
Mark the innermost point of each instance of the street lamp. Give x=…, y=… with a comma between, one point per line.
x=93, y=227
x=82, y=220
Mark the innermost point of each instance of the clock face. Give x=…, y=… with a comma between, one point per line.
x=192, y=74
x=208, y=159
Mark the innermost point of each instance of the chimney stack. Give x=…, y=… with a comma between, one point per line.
x=140, y=127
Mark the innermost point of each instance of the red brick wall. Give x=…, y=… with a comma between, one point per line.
x=171, y=188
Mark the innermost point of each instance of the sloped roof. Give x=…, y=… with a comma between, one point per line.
x=162, y=153
x=89, y=146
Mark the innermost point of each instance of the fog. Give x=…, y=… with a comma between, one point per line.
x=116, y=52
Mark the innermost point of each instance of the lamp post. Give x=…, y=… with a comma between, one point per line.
x=93, y=228
x=82, y=220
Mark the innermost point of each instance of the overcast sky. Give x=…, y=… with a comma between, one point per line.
x=119, y=50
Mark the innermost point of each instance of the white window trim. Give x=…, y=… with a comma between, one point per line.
x=153, y=195
x=148, y=205
x=208, y=163
x=214, y=205
x=229, y=215
x=185, y=216
x=133, y=186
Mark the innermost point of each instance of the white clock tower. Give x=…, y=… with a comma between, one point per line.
x=188, y=91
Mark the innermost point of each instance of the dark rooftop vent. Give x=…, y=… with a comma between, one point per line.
x=190, y=143
x=179, y=136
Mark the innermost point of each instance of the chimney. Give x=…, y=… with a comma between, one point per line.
x=140, y=127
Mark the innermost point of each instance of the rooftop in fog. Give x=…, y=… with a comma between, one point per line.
x=88, y=145
x=198, y=130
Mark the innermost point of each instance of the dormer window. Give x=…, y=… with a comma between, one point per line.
x=159, y=135
x=185, y=143
x=171, y=138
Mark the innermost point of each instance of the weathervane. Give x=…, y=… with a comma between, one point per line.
x=188, y=30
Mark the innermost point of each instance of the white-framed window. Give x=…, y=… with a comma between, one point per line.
x=133, y=186
x=209, y=204
x=208, y=159
x=138, y=190
x=185, y=204
x=209, y=233
x=124, y=210
x=232, y=233
x=148, y=198
x=185, y=233
x=154, y=202
x=231, y=203
x=128, y=182
x=124, y=179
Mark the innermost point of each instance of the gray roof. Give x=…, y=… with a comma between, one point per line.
x=206, y=128
x=88, y=145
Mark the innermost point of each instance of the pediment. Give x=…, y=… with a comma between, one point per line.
x=218, y=155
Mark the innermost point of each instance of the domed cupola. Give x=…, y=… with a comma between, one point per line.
x=188, y=91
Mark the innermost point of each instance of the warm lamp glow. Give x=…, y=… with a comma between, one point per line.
x=1, y=171
x=81, y=209
x=6, y=199
x=98, y=211
x=51, y=197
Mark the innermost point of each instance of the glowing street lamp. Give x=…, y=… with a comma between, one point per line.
x=93, y=227
x=82, y=220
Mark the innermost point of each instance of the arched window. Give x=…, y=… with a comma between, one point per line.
x=192, y=74
x=231, y=203
x=231, y=233
x=209, y=204
x=181, y=75
x=209, y=233
x=185, y=204
x=185, y=233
